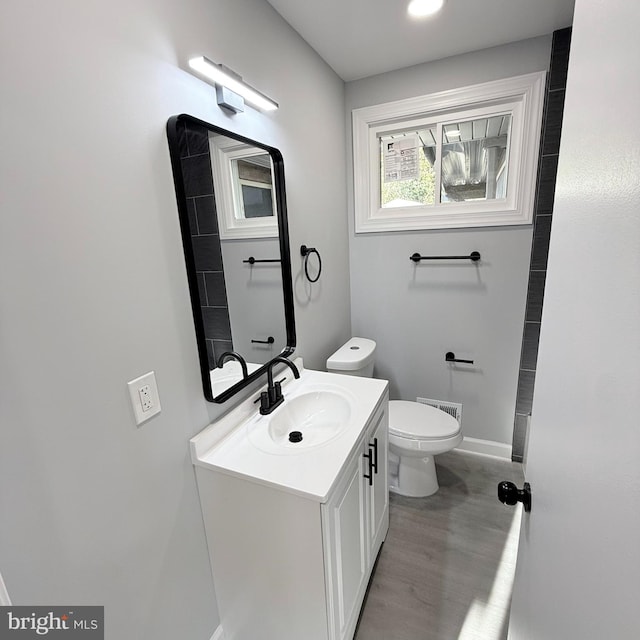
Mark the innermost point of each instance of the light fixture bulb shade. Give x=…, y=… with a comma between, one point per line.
x=423, y=8
x=227, y=78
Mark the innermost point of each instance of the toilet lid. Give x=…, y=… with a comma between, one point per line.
x=420, y=421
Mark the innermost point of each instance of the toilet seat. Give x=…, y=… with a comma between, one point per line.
x=422, y=428
x=420, y=421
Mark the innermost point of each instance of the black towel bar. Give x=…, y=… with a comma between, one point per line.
x=474, y=256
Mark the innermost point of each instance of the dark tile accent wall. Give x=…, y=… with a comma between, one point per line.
x=543, y=215
x=203, y=223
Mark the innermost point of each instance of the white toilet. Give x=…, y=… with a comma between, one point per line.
x=417, y=432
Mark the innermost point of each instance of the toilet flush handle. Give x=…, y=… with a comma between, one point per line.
x=509, y=494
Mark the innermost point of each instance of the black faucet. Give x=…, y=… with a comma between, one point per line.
x=232, y=355
x=273, y=397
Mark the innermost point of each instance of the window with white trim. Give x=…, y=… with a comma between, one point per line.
x=460, y=158
x=243, y=183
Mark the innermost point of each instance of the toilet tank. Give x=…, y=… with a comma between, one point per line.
x=354, y=358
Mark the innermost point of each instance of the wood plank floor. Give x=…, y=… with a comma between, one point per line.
x=445, y=571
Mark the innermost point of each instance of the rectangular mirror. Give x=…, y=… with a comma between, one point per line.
x=233, y=218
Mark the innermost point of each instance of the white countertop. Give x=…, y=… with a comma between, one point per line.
x=226, y=445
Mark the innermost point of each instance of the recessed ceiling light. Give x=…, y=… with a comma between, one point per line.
x=423, y=8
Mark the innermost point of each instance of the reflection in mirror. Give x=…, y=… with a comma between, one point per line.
x=255, y=197
x=231, y=201
x=243, y=183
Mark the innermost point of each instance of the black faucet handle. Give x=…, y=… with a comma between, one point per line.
x=273, y=394
x=264, y=402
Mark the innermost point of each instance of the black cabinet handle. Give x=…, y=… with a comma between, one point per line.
x=269, y=340
x=509, y=494
x=369, y=458
x=374, y=446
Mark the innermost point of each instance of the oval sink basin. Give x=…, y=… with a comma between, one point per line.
x=303, y=422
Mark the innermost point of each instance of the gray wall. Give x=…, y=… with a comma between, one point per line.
x=94, y=290
x=417, y=314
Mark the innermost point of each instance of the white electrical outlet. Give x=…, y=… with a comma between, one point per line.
x=143, y=392
x=145, y=398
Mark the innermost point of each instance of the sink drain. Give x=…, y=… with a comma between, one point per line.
x=295, y=436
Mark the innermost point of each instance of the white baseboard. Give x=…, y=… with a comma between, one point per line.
x=486, y=447
x=218, y=634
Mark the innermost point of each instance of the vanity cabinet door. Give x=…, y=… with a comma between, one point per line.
x=346, y=534
x=378, y=498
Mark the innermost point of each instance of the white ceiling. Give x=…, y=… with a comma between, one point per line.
x=359, y=38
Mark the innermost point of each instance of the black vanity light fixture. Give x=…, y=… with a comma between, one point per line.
x=231, y=90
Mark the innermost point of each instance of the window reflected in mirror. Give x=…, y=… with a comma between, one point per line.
x=253, y=186
x=243, y=182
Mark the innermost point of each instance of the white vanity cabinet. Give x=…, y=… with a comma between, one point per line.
x=289, y=566
x=355, y=521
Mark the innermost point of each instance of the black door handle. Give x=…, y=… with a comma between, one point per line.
x=509, y=494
